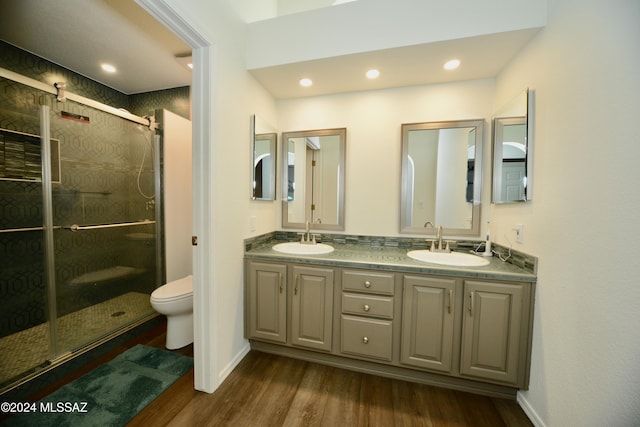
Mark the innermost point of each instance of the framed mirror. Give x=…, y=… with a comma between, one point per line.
x=313, y=178
x=441, y=182
x=263, y=160
x=512, y=149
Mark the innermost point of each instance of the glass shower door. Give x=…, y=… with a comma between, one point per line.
x=79, y=247
x=105, y=206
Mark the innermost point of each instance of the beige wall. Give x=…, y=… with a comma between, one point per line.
x=373, y=120
x=583, y=220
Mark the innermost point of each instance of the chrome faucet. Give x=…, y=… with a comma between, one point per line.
x=437, y=246
x=307, y=237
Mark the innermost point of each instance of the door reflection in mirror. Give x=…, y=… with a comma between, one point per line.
x=510, y=151
x=264, y=167
x=314, y=186
x=263, y=159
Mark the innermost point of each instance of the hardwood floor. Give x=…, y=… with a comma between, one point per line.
x=270, y=390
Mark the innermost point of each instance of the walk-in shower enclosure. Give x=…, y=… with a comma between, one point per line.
x=79, y=247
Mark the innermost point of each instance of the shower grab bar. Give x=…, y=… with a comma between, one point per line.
x=76, y=227
x=14, y=230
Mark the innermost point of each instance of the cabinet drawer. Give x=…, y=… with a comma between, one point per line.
x=367, y=337
x=367, y=305
x=364, y=281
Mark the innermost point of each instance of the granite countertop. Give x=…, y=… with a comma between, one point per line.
x=392, y=259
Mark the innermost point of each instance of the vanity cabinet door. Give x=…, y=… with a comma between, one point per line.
x=428, y=323
x=312, y=308
x=492, y=334
x=267, y=301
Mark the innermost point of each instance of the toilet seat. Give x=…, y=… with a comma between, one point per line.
x=175, y=290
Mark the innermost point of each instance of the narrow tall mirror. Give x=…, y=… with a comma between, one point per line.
x=512, y=148
x=263, y=160
x=313, y=179
x=441, y=177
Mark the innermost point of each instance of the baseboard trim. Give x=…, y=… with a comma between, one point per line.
x=229, y=367
x=529, y=411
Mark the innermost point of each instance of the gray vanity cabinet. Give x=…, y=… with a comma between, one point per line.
x=471, y=334
x=312, y=307
x=484, y=335
x=367, y=314
x=428, y=320
x=290, y=304
x=267, y=301
x=494, y=331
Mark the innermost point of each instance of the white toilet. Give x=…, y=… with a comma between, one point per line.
x=175, y=300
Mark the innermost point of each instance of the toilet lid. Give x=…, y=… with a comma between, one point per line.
x=177, y=288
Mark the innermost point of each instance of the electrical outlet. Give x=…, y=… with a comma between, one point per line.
x=519, y=229
x=252, y=223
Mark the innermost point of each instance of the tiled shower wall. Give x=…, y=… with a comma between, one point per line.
x=100, y=162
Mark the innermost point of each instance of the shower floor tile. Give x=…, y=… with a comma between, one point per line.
x=28, y=349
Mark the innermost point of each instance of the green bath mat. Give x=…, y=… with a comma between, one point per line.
x=111, y=394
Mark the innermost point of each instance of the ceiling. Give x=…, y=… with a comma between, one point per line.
x=82, y=34
x=481, y=57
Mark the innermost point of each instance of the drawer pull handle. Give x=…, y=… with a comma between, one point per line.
x=365, y=340
x=366, y=307
x=281, y=282
x=295, y=289
x=367, y=284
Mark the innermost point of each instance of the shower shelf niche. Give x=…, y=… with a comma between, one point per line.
x=21, y=159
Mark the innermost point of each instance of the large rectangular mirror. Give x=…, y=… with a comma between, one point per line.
x=263, y=160
x=313, y=179
x=441, y=177
x=512, y=148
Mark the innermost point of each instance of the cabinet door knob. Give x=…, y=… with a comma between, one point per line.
x=367, y=284
x=366, y=307
x=365, y=340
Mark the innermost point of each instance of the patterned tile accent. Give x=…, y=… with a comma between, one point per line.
x=177, y=100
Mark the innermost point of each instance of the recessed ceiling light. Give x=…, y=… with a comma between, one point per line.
x=373, y=74
x=452, y=65
x=185, y=61
x=108, y=68
x=306, y=82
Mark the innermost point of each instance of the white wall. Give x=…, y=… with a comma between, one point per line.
x=177, y=195
x=230, y=95
x=583, y=220
x=373, y=120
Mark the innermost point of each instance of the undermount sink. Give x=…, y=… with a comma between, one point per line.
x=457, y=259
x=297, y=248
